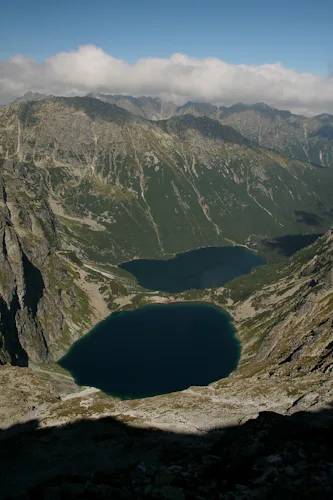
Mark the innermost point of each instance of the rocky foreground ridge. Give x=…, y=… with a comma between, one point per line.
x=272, y=456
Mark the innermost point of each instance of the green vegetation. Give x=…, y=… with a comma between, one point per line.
x=242, y=287
x=156, y=194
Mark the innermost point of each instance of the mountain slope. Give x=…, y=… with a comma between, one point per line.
x=285, y=327
x=306, y=139
x=30, y=96
x=107, y=171
x=151, y=108
x=286, y=323
x=44, y=305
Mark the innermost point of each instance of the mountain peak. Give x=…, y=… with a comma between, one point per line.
x=261, y=106
x=30, y=96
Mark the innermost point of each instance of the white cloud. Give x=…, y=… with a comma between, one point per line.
x=179, y=78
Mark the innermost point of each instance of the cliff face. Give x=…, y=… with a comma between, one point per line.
x=293, y=316
x=22, y=284
x=39, y=297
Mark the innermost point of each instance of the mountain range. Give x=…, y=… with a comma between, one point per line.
x=306, y=139
x=112, y=168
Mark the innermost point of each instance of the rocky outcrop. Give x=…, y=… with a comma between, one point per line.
x=271, y=456
x=23, y=395
x=301, y=339
x=21, y=289
x=38, y=293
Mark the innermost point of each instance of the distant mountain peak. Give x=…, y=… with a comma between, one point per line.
x=30, y=96
x=261, y=105
x=325, y=117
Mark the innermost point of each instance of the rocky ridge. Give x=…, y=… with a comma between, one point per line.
x=43, y=305
x=307, y=139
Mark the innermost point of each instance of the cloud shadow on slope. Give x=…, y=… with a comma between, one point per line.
x=308, y=218
x=291, y=243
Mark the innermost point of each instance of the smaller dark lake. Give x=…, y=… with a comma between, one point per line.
x=157, y=349
x=203, y=268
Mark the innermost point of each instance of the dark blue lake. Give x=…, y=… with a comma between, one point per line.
x=203, y=268
x=157, y=349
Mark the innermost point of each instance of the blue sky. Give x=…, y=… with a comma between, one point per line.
x=297, y=33
x=246, y=51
